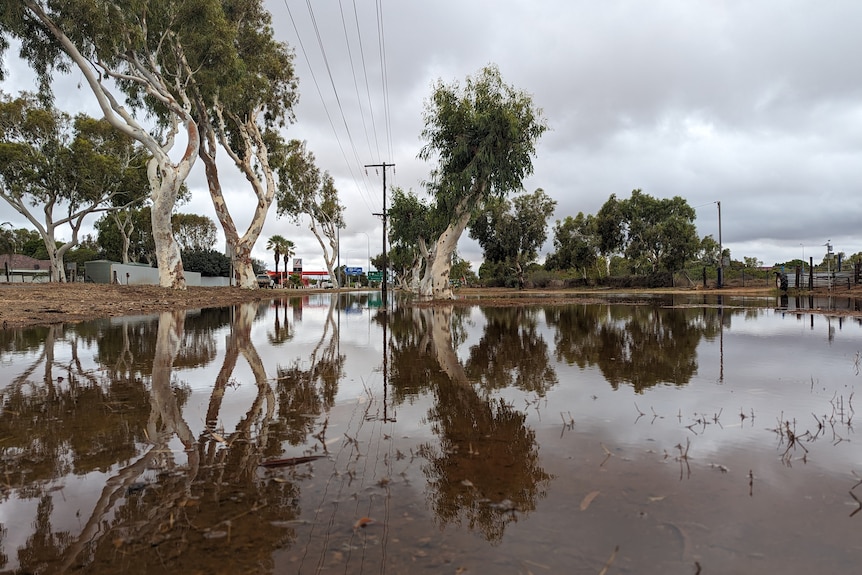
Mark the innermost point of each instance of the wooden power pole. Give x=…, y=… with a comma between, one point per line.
x=383, y=288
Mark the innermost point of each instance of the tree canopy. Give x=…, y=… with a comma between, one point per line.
x=64, y=168
x=575, y=243
x=482, y=137
x=306, y=191
x=511, y=232
x=653, y=234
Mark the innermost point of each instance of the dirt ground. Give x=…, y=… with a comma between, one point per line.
x=26, y=304
x=29, y=304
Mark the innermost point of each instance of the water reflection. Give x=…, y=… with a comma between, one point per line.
x=121, y=427
x=483, y=469
x=134, y=444
x=638, y=345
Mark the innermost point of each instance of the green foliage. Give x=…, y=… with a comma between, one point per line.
x=304, y=190
x=208, y=262
x=259, y=266
x=409, y=219
x=654, y=235
x=194, y=232
x=87, y=250
x=497, y=274
x=483, y=138
x=577, y=244
x=708, y=253
x=752, y=262
x=281, y=247
x=513, y=231
x=461, y=271
x=540, y=278
x=64, y=170
x=8, y=241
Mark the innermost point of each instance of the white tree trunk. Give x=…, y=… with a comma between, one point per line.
x=441, y=336
x=240, y=246
x=444, y=248
x=424, y=283
x=329, y=257
x=165, y=181
x=243, y=269
x=125, y=225
x=167, y=249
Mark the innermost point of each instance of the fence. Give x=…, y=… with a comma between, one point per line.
x=797, y=278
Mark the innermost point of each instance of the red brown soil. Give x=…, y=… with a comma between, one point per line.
x=27, y=304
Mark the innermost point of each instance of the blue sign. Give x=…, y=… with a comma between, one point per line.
x=353, y=271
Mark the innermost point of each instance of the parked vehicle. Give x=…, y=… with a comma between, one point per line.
x=264, y=281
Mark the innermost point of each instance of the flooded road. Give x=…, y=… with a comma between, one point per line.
x=319, y=434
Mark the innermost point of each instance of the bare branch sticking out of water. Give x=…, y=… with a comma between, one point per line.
x=608, y=455
x=567, y=425
x=859, y=503
x=640, y=413
x=683, y=458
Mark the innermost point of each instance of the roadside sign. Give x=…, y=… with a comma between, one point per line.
x=375, y=276
x=353, y=271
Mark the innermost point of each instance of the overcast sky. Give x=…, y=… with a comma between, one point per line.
x=756, y=105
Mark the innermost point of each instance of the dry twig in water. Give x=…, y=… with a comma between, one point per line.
x=609, y=561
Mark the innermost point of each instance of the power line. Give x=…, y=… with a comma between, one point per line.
x=365, y=197
x=353, y=70
x=384, y=75
x=367, y=84
x=363, y=184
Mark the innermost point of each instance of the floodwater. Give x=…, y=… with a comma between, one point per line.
x=319, y=434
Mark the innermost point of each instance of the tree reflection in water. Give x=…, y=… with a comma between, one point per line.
x=639, y=345
x=307, y=388
x=511, y=353
x=485, y=470
x=176, y=503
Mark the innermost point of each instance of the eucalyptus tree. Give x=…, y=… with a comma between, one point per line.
x=8, y=243
x=139, y=49
x=483, y=137
x=411, y=228
x=575, y=243
x=242, y=110
x=67, y=169
x=133, y=242
x=194, y=232
x=653, y=234
x=511, y=232
x=305, y=191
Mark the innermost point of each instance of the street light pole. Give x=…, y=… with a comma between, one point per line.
x=720, y=250
x=803, y=257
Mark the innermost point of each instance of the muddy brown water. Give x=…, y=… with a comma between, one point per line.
x=637, y=435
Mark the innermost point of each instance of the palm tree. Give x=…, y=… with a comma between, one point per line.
x=282, y=247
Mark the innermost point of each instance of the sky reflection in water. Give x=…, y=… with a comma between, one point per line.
x=685, y=433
